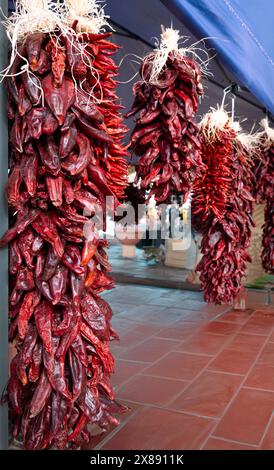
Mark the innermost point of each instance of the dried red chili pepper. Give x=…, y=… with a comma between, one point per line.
x=25, y=353
x=28, y=168
x=43, y=318
x=58, y=59
x=46, y=228
x=59, y=99
x=40, y=396
x=34, y=369
x=24, y=104
x=55, y=190
x=58, y=283
x=25, y=313
x=32, y=87
x=67, y=141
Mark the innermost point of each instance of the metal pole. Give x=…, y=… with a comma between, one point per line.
x=3, y=228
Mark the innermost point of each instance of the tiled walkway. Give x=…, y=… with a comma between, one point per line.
x=195, y=376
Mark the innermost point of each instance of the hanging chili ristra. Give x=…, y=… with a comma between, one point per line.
x=66, y=156
x=264, y=192
x=222, y=207
x=166, y=137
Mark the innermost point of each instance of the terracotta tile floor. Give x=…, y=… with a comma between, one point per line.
x=195, y=376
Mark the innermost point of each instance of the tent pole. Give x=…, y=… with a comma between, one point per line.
x=3, y=228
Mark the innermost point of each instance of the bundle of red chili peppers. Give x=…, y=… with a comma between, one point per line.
x=264, y=193
x=66, y=156
x=268, y=237
x=222, y=208
x=166, y=137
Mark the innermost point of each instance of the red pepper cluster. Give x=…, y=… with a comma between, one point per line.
x=66, y=156
x=166, y=137
x=222, y=207
x=268, y=237
x=264, y=192
x=212, y=188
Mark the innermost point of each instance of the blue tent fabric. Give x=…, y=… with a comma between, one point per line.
x=242, y=32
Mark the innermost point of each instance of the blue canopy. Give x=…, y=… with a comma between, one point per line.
x=137, y=24
x=242, y=31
